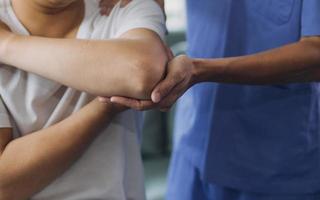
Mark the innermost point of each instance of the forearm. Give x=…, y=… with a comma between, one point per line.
x=30, y=163
x=121, y=67
x=299, y=62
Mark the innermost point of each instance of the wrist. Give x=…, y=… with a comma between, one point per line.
x=209, y=70
x=108, y=109
x=196, y=70
x=5, y=42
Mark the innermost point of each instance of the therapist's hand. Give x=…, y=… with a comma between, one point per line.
x=180, y=77
x=107, y=5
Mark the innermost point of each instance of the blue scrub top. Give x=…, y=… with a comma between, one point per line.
x=253, y=138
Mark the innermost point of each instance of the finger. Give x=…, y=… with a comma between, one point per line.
x=169, y=53
x=104, y=99
x=171, y=99
x=164, y=88
x=133, y=103
x=124, y=3
x=168, y=102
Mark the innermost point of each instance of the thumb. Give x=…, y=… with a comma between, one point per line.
x=164, y=88
x=169, y=53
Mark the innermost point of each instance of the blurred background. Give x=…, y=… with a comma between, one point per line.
x=157, y=130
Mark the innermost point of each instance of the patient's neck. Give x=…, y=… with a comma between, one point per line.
x=50, y=20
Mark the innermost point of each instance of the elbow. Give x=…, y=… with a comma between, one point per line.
x=150, y=71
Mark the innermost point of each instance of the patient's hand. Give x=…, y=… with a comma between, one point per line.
x=107, y=5
x=114, y=107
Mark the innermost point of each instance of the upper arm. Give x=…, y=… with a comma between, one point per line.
x=151, y=59
x=150, y=44
x=144, y=14
x=143, y=21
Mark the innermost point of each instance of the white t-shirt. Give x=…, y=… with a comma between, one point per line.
x=111, y=168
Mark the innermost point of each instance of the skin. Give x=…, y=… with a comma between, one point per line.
x=139, y=54
x=41, y=154
x=295, y=63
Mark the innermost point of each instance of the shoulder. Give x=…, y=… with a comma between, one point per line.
x=141, y=14
x=144, y=6
x=137, y=14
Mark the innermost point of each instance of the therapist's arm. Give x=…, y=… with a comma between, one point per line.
x=129, y=66
x=30, y=163
x=294, y=63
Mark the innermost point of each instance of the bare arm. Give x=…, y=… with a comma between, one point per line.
x=30, y=163
x=298, y=62
x=294, y=63
x=129, y=66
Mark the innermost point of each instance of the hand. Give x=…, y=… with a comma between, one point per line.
x=107, y=5
x=180, y=77
x=135, y=103
x=115, y=107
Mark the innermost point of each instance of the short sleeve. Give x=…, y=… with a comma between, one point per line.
x=310, y=22
x=142, y=14
x=4, y=116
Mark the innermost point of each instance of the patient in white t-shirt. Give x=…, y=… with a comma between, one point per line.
x=56, y=140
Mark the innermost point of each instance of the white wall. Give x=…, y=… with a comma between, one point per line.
x=175, y=10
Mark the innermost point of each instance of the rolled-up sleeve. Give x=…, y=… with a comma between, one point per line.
x=310, y=22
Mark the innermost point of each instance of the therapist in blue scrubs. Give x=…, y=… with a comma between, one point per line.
x=248, y=124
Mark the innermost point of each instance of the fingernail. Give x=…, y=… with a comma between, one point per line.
x=156, y=97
